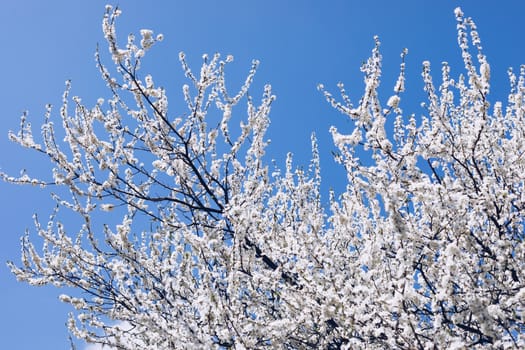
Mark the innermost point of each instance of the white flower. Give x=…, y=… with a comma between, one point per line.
x=393, y=101
x=146, y=34
x=485, y=71
x=107, y=207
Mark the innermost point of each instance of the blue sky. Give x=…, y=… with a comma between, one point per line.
x=299, y=44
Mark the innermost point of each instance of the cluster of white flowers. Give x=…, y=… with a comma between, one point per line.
x=424, y=249
x=435, y=226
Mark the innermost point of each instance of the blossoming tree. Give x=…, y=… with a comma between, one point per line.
x=215, y=249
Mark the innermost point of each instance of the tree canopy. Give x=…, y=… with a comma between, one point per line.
x=218, y=248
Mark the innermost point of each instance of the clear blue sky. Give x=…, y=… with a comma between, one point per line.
x=300, y=44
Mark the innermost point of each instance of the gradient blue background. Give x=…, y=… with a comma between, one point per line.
x=299, y=43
